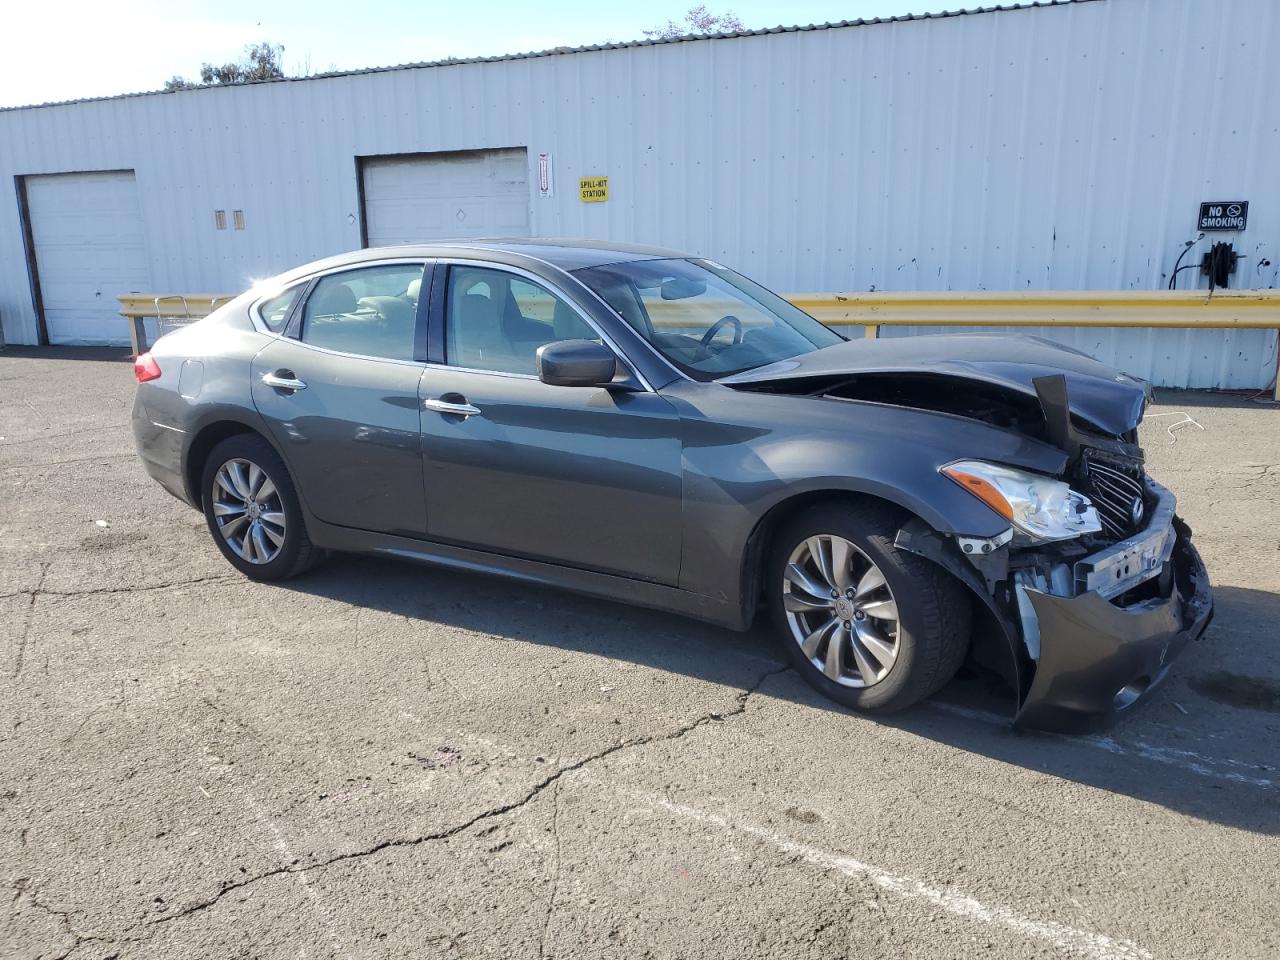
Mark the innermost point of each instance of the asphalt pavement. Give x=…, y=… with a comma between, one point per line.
x=388, y=760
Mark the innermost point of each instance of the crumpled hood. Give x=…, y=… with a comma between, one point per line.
x=1107, y=399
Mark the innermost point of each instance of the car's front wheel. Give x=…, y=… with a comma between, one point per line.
x=866, y=624
x=252, y=510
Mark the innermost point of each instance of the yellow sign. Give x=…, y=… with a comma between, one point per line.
x=593, y=189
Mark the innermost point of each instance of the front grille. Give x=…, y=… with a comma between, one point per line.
x=1115, y=487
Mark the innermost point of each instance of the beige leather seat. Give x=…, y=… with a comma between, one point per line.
x=568, y=325
x=383, y=327
x=476, y=338
x=331, y=300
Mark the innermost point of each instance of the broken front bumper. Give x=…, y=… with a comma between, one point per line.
x=1097, y=658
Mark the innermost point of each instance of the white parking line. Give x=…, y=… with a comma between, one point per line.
x=1069, y=940
x=282, y=846
x=1215, y=768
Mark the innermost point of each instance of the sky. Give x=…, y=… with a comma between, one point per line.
x=68, y=49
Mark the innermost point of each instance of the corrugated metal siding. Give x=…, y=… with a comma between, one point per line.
x=1054, y=148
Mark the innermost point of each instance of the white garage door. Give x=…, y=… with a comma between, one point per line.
x=90, y=247
x=479, y=193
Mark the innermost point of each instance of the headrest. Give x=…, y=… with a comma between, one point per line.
x=415, y=287
x=337, y=298
x=395, y=310
x=568, y=325
x=476, y=312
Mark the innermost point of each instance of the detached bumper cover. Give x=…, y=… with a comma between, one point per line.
x=1097, y=659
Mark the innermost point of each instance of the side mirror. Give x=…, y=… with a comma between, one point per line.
x=576, y=363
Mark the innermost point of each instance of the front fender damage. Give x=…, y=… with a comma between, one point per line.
x=1075, y=659
x=997, y=641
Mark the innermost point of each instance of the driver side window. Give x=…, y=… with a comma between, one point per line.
x=496, y=321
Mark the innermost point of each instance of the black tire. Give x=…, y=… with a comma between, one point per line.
x=297, y=553
x=933, y=609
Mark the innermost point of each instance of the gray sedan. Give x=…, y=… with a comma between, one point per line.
x=651, y=427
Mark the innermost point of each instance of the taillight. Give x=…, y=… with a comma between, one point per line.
x=145, y=368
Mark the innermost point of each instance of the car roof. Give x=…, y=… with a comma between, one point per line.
x=564, y=254
x=574, y=254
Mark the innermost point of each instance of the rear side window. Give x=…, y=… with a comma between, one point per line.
x=275, y=312
x=371, y=311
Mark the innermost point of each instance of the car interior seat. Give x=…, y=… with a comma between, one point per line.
x=476, y=337
x=521, y=329
x=388, y=326
x=568, y=325
x=332, y=300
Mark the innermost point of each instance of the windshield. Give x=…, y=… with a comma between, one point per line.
x=708, y=321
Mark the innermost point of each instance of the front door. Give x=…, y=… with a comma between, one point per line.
x=340, y=396
x=583, y=476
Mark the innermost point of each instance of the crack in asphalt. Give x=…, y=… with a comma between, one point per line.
x=489, y=814
x=35, y=464
x=54, y=436
x=1264, y=473
x=555, y=881
x=21, y=887
x=96, y=429
x=39, y=590
x=21, y=653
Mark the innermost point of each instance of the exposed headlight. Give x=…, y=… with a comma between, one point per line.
x=1041, y=508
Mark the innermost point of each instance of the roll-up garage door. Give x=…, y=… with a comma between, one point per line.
x=90, y=247
x=435, y=196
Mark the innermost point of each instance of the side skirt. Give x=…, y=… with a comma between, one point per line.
x=639, y=593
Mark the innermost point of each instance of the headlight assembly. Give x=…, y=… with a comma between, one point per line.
x=1039, y=507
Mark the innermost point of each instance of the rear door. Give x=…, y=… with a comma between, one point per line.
x=582, y=476
x=340, y=394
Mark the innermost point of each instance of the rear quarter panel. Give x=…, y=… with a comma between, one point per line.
x=204, y=381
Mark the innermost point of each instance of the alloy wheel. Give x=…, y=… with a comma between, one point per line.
x=841, y=611
x=248, y=511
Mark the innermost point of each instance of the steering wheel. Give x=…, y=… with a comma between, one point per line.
x=715, y=328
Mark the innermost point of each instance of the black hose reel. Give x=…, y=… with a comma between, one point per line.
x=1219, y=263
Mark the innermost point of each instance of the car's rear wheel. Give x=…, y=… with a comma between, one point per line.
x=252, y=510
x=864, y=623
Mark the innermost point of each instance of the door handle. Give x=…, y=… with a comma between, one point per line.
x=283, y=380
x=451, y=407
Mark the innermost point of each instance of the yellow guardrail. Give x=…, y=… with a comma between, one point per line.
x=166, y=310
x=1245, y=309
x=1223, y=309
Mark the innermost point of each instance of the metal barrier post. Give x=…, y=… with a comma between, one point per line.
x=137, y=335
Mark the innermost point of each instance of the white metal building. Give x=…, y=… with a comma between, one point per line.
x=1053, y=146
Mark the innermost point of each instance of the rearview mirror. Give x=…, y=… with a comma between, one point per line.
x=576, y=363
x=681, y=288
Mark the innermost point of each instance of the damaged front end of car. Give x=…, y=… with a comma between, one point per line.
x=1092, y=585
x=1094, y=588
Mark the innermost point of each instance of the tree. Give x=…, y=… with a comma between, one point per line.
x=697, y=20
x=261, y=61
